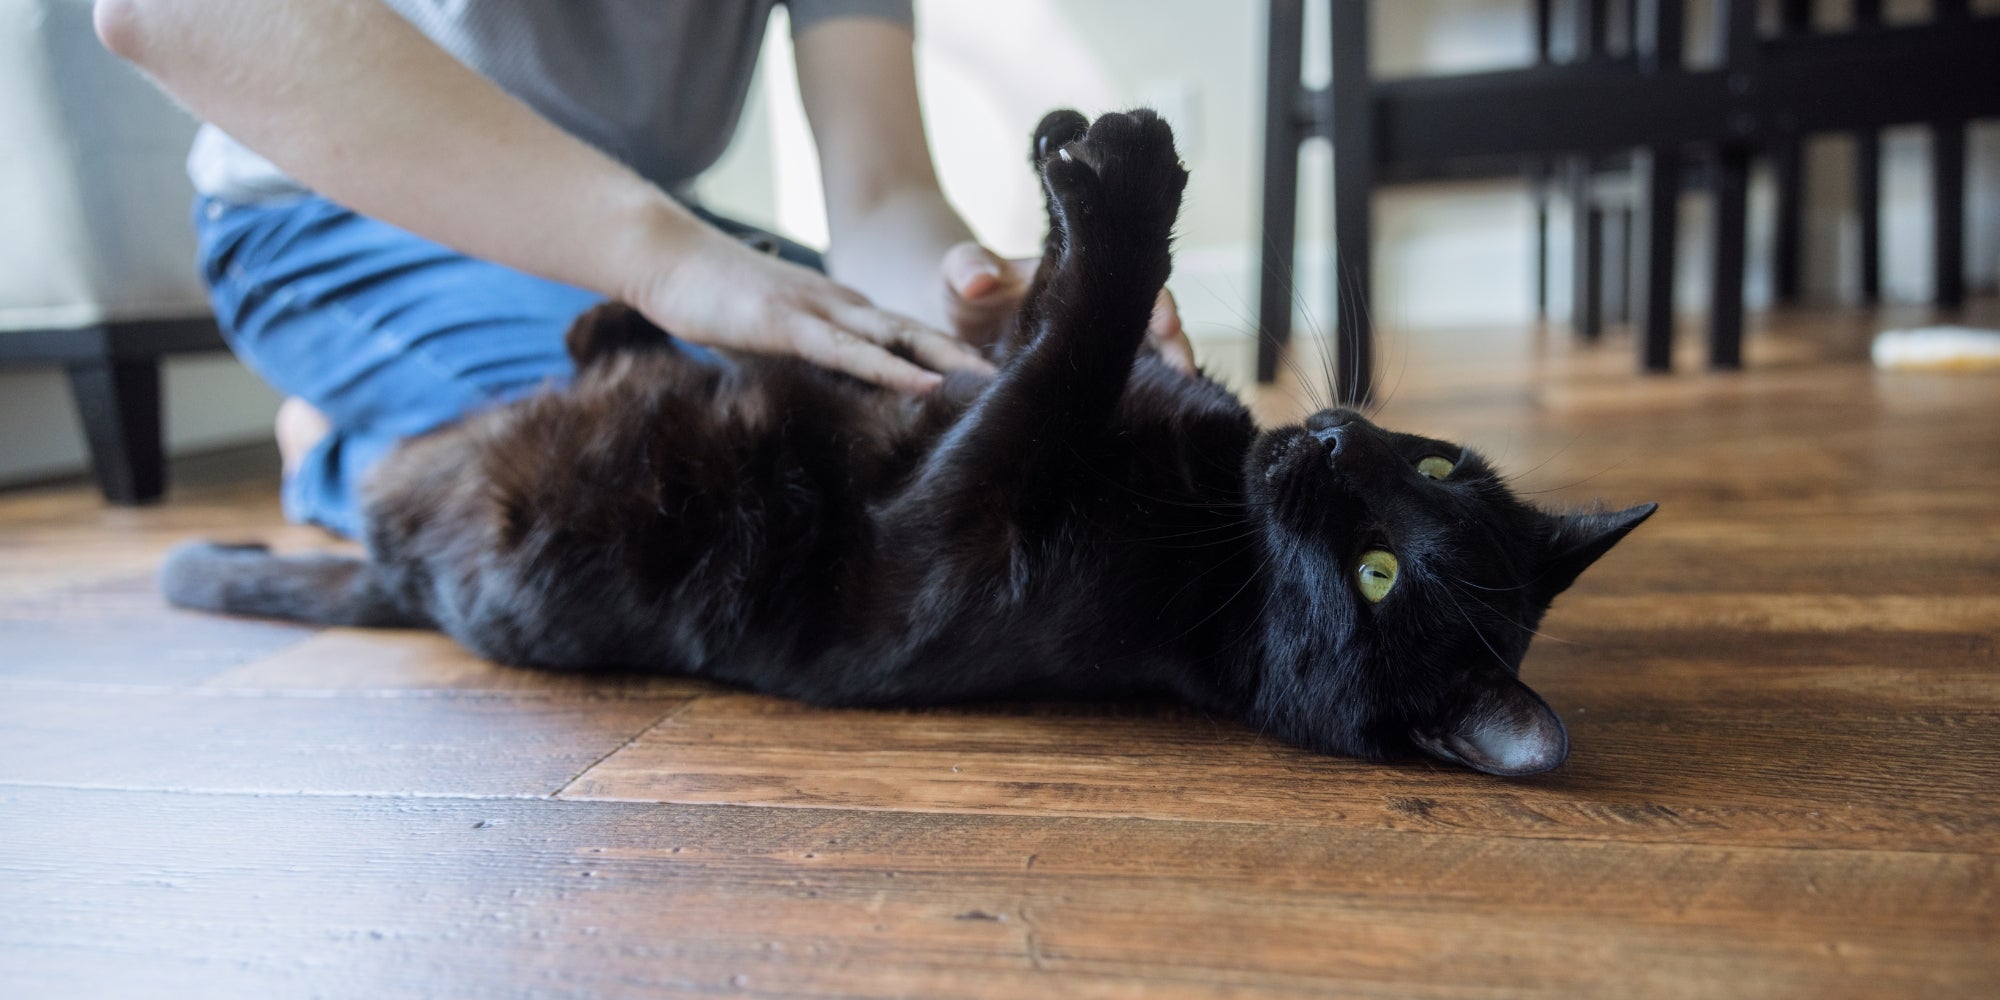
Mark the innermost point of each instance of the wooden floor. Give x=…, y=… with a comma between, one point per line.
x=1783, y=695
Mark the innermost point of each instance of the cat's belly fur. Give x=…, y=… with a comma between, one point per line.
x=743, y=526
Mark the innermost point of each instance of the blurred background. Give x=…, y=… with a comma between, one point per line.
x=93, y=203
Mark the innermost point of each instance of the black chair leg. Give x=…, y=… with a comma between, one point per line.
x=1732, y=191
x=119, y=402
x=1788, y=177
x=1656, y=225
x=1868, y=209
x=1587, y=253
x=1351, y=101
x=1539, y=186
x=1281, y=185
x=1948, y=220
x=1618, y=266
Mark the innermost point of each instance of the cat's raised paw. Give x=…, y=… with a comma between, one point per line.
x=1121, y=172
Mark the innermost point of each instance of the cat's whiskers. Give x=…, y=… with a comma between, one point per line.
x=1481, y=636
x=1573, y=484
x=1299, y=305
x=1497, y=613
x=1537, y=467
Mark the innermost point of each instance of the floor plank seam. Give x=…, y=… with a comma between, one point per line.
x=665, y=718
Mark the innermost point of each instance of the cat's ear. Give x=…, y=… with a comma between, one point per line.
x=1579, y=540
x=1508, y=730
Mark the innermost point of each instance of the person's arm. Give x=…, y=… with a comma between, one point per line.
x=889, y=221
x=894, y=236
x=357, y=104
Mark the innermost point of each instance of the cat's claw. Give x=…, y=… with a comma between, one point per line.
x=1057, y=129
x=1121, y=172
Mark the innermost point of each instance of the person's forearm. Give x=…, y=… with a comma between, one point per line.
x=357, y=104
x=891, y=251
x=889, y=222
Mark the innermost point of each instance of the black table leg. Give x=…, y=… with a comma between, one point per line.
x=119, y=402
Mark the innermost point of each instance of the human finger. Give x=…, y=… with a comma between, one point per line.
x=1164, y=332
x=829, y=346
x=972, y=272
x=936, y=350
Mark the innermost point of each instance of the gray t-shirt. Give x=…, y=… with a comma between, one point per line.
x=658, y=84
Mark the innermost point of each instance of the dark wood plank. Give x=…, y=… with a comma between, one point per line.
x=1681, y=772
x=107, y=893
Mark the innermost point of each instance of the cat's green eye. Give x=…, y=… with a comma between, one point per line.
x=1434, y=467
x=1376, y=575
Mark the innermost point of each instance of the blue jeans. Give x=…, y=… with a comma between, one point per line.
x=387, y=334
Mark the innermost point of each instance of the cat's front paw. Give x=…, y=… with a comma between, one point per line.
x=1119, y=180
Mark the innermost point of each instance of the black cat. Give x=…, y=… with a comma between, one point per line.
x=1089, y=523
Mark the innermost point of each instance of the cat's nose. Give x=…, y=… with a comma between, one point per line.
x=1326, y=426
x=1329, y=436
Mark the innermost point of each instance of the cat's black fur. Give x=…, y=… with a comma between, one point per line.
x=1089, y=523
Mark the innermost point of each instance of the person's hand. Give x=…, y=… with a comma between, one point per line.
x=985, y=291
x=723, y=294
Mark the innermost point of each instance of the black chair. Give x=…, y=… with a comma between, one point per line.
x=114, y=373
x=1647, y=106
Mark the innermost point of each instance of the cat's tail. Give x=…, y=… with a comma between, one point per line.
x=249, y=580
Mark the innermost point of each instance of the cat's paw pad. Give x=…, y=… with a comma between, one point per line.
x=1123, y=169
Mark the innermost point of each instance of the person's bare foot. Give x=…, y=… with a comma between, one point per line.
x=299, y=428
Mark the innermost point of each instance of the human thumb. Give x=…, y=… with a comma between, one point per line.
x=971, y=271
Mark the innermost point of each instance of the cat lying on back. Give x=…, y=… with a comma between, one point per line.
x=1089, y=523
